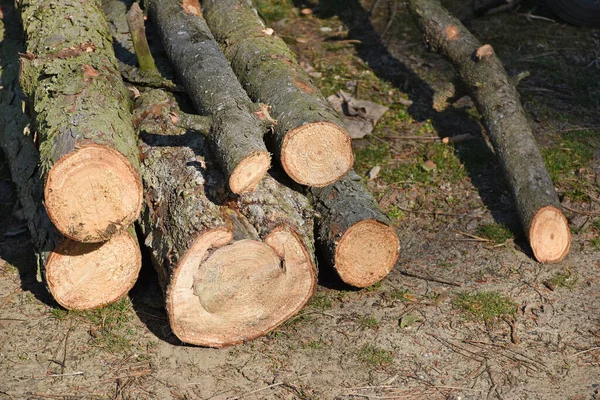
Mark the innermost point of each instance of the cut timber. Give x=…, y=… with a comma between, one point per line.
x=357, y=239
x=311, y=141
x=79, y=275
x=82, y=121
x=237, y=129
x=83, y=276
x=497, y=100
x=225, y=281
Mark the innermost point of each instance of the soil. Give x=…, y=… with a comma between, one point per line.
x=421, y=333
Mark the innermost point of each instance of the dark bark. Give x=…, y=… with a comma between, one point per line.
x=311, y=141
x=237, y=132
x=81, y=110
x=227, y=278
x=497, y=100
x=356, y=238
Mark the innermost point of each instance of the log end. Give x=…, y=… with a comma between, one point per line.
x=249, y=172
x=366, y=253
x=83, y=276
x=239, y=292
x=549, y=235
x=93, y=193
x=317, y=154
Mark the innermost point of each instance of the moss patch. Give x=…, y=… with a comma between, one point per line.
x=485, y=307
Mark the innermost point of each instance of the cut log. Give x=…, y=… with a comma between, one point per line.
x=225, y=282
x=88, y=155
x=79, y=275
x=355, y=237
x=498, y=102
x=237, y=131
x=311, y=141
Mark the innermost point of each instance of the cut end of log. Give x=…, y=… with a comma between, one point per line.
x=366, y=253
x=549, y=235
x=317, y=154
x=452, y=32
x=485, y=51
x=249, y=172
x=83, y=276
x=93, y=193
x=240, y=291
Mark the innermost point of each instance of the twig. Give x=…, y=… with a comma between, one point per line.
x=582, y=212
x=532, y=16
x=59, y=375
x=430, y=278
x=584, y=351
x=431, y=212
x=257, y=390
x=478, y=238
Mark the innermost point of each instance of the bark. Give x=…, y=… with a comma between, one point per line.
x=135, y=21
x=310, y=140
x=504, y=119
x=354, y=236
x=88, y=156
x=225, y=281
x=237, y=132
x=79, y=275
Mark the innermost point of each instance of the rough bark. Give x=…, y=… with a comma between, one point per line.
x=79, y=275
x=237, y=132
x=83, y=126
x=225, y=281
x=355, y=237
x=311, y=141
x=504, y=119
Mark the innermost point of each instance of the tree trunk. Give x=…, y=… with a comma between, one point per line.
x=498, y=103
x=225, y=281
x=311, y=141
x=237, y=130
x=88, y=156
x=79, y=275
x=356, y=238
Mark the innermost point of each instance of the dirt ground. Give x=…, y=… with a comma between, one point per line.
x=466, y=314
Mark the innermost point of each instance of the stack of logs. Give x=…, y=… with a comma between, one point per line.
x=230, y=235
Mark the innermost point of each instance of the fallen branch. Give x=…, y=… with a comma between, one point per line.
x=497, y=100
x=238, y=124
x=310, y=140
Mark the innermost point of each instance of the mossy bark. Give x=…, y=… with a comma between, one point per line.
x=270, y=74
x=342, y=206
x=52, y=248
x=237, y=132
x=69, y=74
x=77, y=99
x=207, y=246
x=497, y=100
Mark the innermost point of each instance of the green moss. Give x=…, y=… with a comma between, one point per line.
x=273, y=10
x=374, y=287
x=367, y=322
x=485, y=306
x=595, y=242
x=400, y=294
x=497, y=233
x=374, y=356
x=395, y=213
x=575, y=150
x=321, y=301
x=565, y=279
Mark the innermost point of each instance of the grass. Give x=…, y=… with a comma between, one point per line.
x=273, y=10
x=486, y=307
x=366, y=322
x=321, y=301
x=374, y=356
x=400, y=294
x=595, y=242
x=498, y=233
x=108, y=325
x=565, y=279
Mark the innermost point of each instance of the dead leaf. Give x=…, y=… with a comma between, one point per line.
x=374, y=172
x=359, y=116
x=408, y=320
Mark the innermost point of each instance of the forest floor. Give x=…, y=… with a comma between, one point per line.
x=466, y=314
